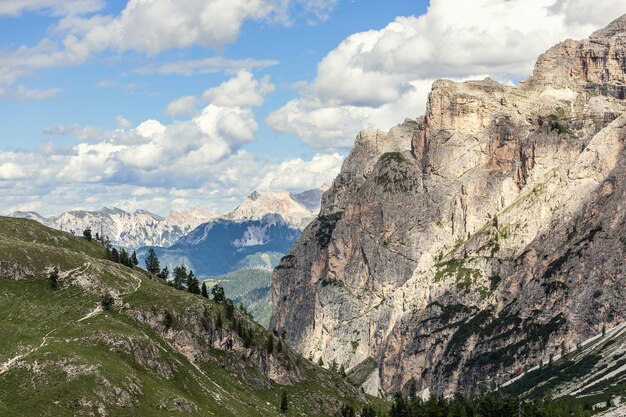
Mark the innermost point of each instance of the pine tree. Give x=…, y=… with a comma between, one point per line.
x=124, y=259
x=115, y=255
x=348, y=411
x=152, y=262
x=193, y=285
x=164, y=274
x=279, y=346
x=218, y=321
x=218, y=294
x=270, y=344
x=133, y=259
x=87, y=233
x=203, y=290
x=284, y=403
x=230, y=309
x=180, y=276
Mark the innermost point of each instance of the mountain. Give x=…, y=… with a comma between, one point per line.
x=221, y=246
x=464, y=246
x=129, y=230
x=142, y=228
x=156, y=351
x=297, y=209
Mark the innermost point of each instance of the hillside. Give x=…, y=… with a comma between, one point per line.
x=251, y=289
x=469, y=243
x=157, y=352
x=593, y=373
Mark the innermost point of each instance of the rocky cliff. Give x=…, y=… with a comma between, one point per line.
x=461, y=247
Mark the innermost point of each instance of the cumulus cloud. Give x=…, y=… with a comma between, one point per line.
x=183, y=106
x=299, y=174
x=201, y=155
x=144, y=26
x=379, y=77
x=11, y=171
x=241, y=90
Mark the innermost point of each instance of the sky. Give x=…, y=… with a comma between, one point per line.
x=176, y=104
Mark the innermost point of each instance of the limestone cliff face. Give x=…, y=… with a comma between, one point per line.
x=488, y=234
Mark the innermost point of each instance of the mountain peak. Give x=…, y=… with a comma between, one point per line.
x=616, y=27
x=594, y=65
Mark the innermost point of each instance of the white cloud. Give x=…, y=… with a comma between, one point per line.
x=123, y=122
x=379, y=77
x=56, y=7
x=204, y=66
x=148, y=27
x=183, y=106
x=23, y=93
x=241, y=90
x=298, y=174
x=150, y=128
x=11, y=171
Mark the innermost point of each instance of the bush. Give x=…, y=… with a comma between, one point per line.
x=53, y=278
x=168, y=320
x=107, y=302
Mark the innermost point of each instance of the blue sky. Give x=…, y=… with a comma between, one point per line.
x=174, y=104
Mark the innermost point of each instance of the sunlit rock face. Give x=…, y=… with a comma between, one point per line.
x=463, y=246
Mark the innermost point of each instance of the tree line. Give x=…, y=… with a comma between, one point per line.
x=465, y=406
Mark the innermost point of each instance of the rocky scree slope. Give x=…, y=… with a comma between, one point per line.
x=157, y=352
x=461, y=247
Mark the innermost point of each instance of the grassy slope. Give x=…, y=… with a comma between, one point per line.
x=591, y=374
x=124, y=362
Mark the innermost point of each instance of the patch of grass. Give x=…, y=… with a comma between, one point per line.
x=465, y=277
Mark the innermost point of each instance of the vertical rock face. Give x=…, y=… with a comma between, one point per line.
x=465, y=245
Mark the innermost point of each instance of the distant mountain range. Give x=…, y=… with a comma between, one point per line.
x=143, y=228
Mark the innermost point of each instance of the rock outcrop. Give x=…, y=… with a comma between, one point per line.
x=463, y=246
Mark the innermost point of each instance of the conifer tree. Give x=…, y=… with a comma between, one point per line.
x=180, y=276
x=134, y=260
x=218, y=294
x=193, y=285
x=152, y=262
x=204, y=291
x=164, y=274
